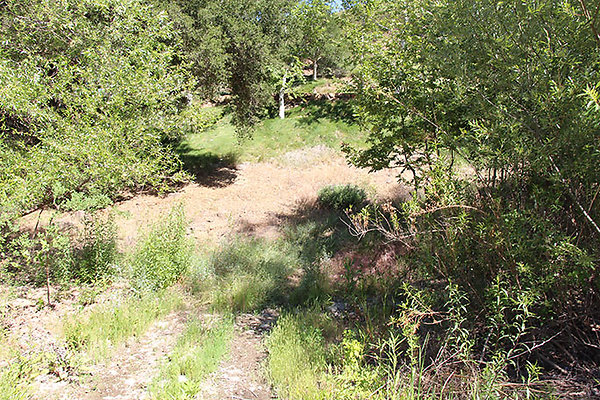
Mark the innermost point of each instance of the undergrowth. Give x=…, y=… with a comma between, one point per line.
x=52, y=254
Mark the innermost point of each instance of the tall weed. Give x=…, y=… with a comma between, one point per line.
x=163, y=255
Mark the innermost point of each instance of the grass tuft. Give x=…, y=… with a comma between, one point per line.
x=164, y=255
x=197, y=353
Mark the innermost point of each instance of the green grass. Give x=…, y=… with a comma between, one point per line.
x=97, y=333
x=164, y=253
x=14, y=383
x=310, y=86
x=249, y=274
x=304, y=127
x=197, y=353
x=297, y=358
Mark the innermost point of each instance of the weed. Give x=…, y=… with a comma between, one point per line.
x=163, y=255
x=297, y=358
x=342, y=197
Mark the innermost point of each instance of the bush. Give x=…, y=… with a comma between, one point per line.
x=28, y=256
x=341, y=197
x=163, y=255
x=87, y=259
x=79, y=119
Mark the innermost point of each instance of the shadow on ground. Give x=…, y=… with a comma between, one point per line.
x=209, y=169
x=335, y=110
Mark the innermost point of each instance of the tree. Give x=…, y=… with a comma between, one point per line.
x=316, y=21
x=250, y=41
x=89, y=98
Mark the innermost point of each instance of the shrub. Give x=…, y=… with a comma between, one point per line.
x=163, y=255
x=87, y=259
x=341, y=197
x=29, y=256
x=86, y=202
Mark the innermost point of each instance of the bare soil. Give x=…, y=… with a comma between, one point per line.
x=251, y=198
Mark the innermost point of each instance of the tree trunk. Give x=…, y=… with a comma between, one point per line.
x=315, y=67
x=282, y=98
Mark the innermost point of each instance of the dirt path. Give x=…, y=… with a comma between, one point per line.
x=253, y=198
x=128, y=373
x=241, y=376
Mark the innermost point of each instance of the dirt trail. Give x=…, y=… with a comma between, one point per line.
x=253, y=198
x=128, y=373
x=241, y=376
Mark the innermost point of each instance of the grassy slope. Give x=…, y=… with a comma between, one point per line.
x=305, y=126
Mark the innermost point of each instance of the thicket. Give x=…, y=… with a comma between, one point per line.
x=90, y=94
x=493, y=109
x=52, y=255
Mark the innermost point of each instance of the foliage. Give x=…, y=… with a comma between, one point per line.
x=199, y=119
x=163, y=255
x=239, y=45
x=28, y=256
x=516, y=229
x=89, y=95
x=314, y=126
x=319, y=30
x=197, y=353
x=342, y=197
x=86, y=259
